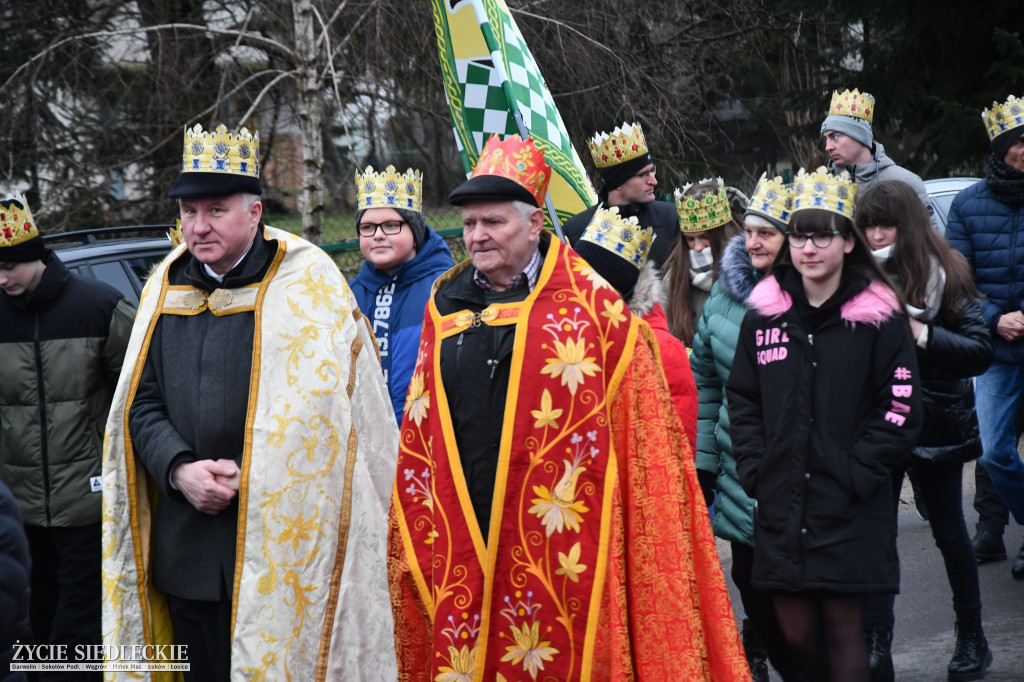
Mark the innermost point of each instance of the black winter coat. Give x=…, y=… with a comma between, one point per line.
x=825, y=404
x=952, y=355
x=15, y=568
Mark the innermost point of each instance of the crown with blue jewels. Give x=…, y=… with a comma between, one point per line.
x=1003, y=117
x=622, y=236
x=16, y=222
x=390, y=189
x=221, y=151
x=826, y=191
x=772, y=199
x=706, y=211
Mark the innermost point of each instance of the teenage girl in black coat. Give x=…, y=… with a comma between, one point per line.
x=825, y=405
x=953, y=344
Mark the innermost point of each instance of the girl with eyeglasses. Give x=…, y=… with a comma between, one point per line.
x=403, y=258
x=952, y=344
x=825, y=404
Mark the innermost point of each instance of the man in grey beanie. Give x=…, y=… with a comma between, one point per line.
x=851, y=146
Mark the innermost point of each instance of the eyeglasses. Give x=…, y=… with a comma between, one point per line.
x=647, y=173
x=821, y=239
x=387, y=227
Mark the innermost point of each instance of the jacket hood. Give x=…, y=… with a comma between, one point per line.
x=873, y=305
x=865, y=172
x=735, y=271
x=433, y=255
x=648, y=291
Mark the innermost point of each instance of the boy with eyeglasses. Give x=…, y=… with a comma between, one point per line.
x=403, y=258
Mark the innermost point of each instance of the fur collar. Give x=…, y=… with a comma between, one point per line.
x=647, y=292
x=874, y=305
x=735, y=271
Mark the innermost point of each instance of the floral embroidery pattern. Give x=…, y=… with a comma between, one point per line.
x=528, y=648
x=546, y=416
x=571, y=363
x=419, y=487
x=558, y=507
x=417, y=402
x=571, y=566
x=461, y=659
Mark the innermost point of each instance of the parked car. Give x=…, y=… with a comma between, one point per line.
x=942, y=192
x=122, y=257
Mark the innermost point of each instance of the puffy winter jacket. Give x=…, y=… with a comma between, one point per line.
x=990, y=234
x=62, y=344
x=825, y=404
x=952, y=355
x=395, y=304
x=713, y=349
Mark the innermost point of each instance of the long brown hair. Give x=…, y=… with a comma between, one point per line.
x=893, y=203
x=679, y=310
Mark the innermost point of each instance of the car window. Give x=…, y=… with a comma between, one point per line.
x=942, y=202
x=114, y=274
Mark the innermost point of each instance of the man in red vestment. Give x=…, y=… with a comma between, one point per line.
x=546, y=519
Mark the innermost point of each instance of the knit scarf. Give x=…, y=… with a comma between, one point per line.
x=702, y=269
x=1005, y=182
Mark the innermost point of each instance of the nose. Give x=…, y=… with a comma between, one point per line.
x=652, y=181
x=829, y=144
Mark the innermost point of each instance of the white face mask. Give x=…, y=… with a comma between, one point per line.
x=702, y=268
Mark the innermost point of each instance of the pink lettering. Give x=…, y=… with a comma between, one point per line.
x=902, y=390
x=759, y=337
x=897, y=419
x=900, y=407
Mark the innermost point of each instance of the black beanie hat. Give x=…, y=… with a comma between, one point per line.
x=619, y=272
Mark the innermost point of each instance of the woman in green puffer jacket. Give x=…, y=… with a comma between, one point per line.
x=745, y=260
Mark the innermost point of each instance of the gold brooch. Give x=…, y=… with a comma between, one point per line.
x=219, y=299
x=193, y=300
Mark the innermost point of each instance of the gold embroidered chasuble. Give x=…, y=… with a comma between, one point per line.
x=600, y=562
x=310, y=591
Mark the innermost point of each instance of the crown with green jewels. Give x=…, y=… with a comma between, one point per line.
x=772, y=199
x=823, y=190
x=1003, y=117
x=705, y=211
x=221, y=151
x=622, y=236
x=16, y=223
x=390, y=189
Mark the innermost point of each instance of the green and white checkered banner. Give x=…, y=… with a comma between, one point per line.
x=489, y=73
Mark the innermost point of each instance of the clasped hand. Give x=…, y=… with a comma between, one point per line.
x=209, y=485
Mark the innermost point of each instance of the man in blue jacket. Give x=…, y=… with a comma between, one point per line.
x=986, y=224
x=403, y=258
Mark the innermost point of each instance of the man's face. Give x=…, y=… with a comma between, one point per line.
x=1015, y=156
x=500, y=243
x=219, y=230
x=843, y=149
x=20, y=278
x=639, y=189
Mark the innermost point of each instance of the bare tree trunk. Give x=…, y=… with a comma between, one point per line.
x=309, y=122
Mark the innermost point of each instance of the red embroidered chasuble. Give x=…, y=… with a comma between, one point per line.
x=600, y=562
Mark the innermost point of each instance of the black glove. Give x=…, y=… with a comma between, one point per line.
x=707, y=485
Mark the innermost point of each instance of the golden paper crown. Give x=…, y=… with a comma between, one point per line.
x=1003, y=117
x=175, y=234
x=856, y=104
x=823, y=190
x=221, y=152
x=16, y=224
x=706, y=211
x=518, y=161
x=622, y=236
x=624, y=143
x=772, y=199
x=389, y=189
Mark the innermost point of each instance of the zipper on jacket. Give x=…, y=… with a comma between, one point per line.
x=42, y=419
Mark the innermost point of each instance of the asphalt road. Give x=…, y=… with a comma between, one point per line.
x=923, y=641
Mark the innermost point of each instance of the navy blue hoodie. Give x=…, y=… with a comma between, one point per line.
x=395, y=305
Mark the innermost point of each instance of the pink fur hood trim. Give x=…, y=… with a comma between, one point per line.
x=876, y=304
